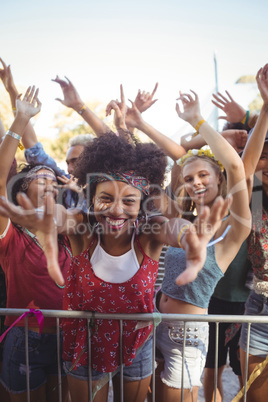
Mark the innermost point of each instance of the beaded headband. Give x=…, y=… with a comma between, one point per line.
x=32, y=175
x=128, y=177
x=199, y=152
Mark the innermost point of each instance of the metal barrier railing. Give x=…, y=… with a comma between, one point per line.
x=154, y=318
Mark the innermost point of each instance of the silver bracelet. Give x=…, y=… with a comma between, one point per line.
x=14, y=135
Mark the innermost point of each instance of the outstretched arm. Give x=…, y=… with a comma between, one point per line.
x=28, y=107
x=29, y=138
x=226, y=154
x=56, y=219
x=72, y=99
x=237, y=138
x=254, y=146
x=170, y=147
x=193, y=238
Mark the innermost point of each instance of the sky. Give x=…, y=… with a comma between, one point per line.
x=101, y=44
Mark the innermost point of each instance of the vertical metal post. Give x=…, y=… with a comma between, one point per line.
x=27, y=359
x=246, y=363
x=216, y=360
x=121, y=363
x=182, y=363
x=216, y=90
x=89, y=360
x=59, y=360
x=153, y=352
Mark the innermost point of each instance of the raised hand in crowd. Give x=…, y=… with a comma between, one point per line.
x=254, y=147
x=262, y=82
x=237, y=138
x=70, y=183
x=30, y=137
x=191, y=108
x=144, y=100
x=72, y=99
x=120, y=109
x=8, y=82
x=27, y=107
x=234, y=112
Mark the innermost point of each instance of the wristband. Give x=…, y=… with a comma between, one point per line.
x=181, y=233
x=83, y=108
x=199, y=124
x=245, y=118
x=17, y=137
x=14, y=135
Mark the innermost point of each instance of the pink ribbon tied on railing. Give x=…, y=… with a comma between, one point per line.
x=31, y=312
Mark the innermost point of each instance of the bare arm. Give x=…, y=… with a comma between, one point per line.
x=193, y=238
x=237, y=138
x=30, y=138
x=26, y=108
x=170, y=147
x=254, y=146
x=72, y=99
x=2, y=130
x=192, y=141
x=56, y=219
x=226, y=154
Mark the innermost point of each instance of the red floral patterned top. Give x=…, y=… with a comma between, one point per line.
x=86, y=292
x=258, y=245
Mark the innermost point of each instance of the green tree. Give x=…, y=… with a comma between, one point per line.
x=69, y=124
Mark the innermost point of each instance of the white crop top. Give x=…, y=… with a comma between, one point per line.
x=114, y=269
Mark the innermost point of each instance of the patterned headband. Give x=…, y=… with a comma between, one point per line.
x=128, y=177
x=32, y=175
x=205, y=151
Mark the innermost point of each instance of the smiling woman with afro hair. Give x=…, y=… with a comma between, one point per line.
x=114, y=266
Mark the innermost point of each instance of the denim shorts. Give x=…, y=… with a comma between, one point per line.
x=141, y=367
x=258, y=341
x=42, y=359
x=169, y=342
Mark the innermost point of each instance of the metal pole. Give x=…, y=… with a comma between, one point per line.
x=216, y=90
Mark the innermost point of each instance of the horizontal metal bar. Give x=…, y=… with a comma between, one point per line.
x=144, y=316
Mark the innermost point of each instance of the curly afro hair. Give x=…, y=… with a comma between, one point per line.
x=112, y=154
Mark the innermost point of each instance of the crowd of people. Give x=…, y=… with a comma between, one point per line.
x=91, y=239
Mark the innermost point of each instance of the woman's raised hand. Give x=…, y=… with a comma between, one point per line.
x=144, y=100
x=262, y=81
x=120, y=110
x=133, y=116
x=43, y=226
x=191, y=108
x=29, y=105
x=6, y=77
x=71, y=97
x=197, y=237
x=234, y=112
